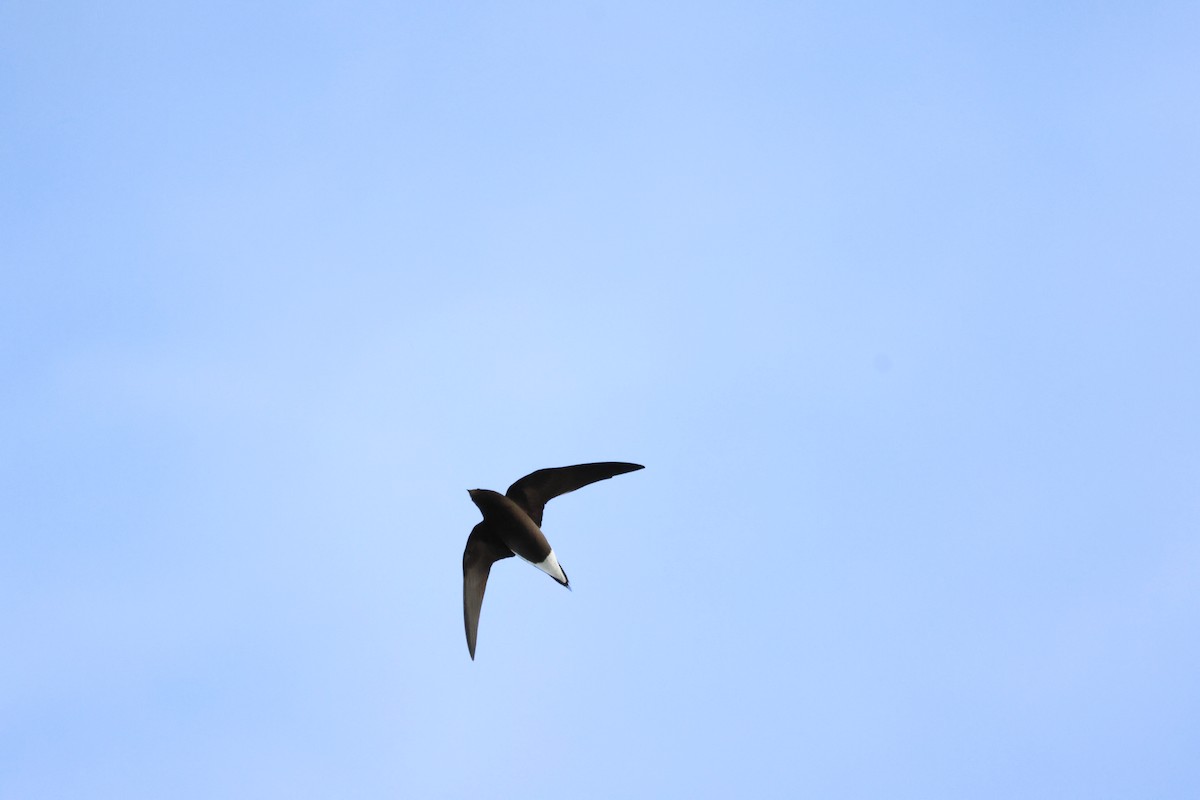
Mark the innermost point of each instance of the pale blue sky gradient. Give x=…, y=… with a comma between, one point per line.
x=897, y=303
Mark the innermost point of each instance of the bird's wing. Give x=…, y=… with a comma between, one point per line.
x=536, y=489
x=481, y=552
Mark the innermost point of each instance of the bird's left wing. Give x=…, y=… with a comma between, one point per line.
x=481, y=552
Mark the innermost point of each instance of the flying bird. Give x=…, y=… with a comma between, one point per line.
x=512, y=525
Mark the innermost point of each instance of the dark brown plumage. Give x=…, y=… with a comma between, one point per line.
x=512, y=526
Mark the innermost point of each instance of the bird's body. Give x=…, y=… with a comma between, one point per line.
x=512, y=526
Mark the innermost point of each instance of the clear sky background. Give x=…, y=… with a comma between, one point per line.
x=899, y=304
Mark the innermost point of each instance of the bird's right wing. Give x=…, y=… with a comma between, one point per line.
x=481, y=552
x=536, y=489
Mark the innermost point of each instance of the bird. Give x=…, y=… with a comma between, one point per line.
x=512, y=525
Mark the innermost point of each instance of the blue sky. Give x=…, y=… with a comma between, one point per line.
x=897, y=303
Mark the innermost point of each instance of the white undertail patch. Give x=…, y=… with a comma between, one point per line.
x=549, y=565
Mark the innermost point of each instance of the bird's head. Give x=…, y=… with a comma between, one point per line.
x=485, y=498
